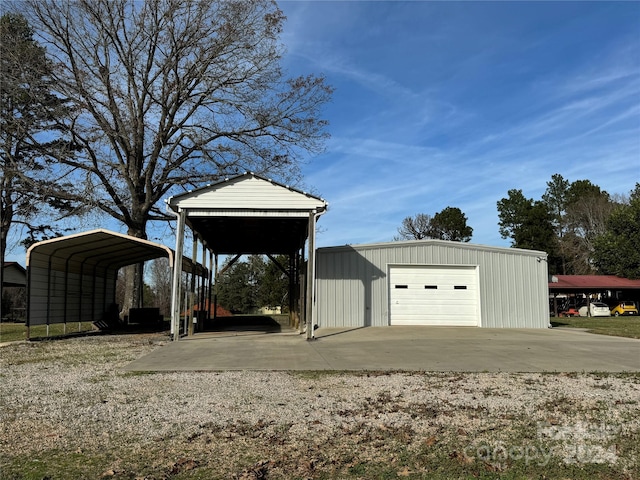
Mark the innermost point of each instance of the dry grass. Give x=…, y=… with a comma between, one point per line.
x=13, y=332
x=68, y=412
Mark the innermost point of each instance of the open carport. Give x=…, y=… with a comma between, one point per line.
x=73, y=278
x=609, y=288
x=400, y=348
x=244, y=215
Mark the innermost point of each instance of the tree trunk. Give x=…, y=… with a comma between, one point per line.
x=5, y=221
x=133, y=277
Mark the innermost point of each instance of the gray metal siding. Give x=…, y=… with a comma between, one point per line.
x=56, y=297
x=72, y=278
x=352, y=287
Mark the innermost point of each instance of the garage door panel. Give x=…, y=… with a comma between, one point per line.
x=417, y=277
x=436, y=314
x=435, y=309
x=445, y=322
x=433, y=295
x=412, y=302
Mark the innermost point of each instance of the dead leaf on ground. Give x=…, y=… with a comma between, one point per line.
x=183, y=465
x=462, y=458
x=404, y=472
x=431, y=441
x=257, y=472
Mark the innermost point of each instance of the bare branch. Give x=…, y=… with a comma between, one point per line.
x=177, y=93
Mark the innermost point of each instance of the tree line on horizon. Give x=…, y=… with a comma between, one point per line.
x=583, y=229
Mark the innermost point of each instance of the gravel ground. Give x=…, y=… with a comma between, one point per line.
x=70, y=396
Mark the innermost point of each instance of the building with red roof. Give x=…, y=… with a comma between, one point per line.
x=607, y=288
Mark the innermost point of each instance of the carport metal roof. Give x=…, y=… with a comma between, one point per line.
x=67, y=273
x=96, y=247
x=584, y=283
x=248, y=214
x=99, y=247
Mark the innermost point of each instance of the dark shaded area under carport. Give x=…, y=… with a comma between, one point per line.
x=241, y=323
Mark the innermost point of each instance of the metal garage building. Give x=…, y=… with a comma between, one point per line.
x=431, y=282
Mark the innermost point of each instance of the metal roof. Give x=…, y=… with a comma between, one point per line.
x=96, y=247
x=248, y=214
x=101, y=248
x=592, y=282
x=436, y=242
x=73, y=278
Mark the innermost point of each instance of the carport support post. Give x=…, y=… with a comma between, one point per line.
x=203, y=288
x=215, y=289
x=311, y=274
x=192, y=293
x=292, y=288
x=210, y=290
x=302, y=292
x=177, y=274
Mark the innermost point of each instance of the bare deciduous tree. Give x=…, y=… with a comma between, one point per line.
x=415, y=228
x=160, y=279
x=587, y=218
x=32, y=137
x=176, y=93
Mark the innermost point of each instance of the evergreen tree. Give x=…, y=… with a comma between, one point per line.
x=33, y=138
x=529, y=224
x=274, y=284
x=451, y=224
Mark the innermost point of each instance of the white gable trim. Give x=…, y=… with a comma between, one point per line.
x=247, y=192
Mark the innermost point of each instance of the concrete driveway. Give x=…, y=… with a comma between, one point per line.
x=398, y=348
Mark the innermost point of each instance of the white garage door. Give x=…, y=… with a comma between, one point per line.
x=433, y=295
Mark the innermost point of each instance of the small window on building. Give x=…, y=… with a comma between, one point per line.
x=402, y=286
x=431, y=287
x=460, y=287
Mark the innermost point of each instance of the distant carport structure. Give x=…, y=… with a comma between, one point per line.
x=608, y=286
x=249, y=214
x=73, y=278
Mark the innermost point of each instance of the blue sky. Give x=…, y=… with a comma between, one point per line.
x=454, y=103
x=443, y=104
